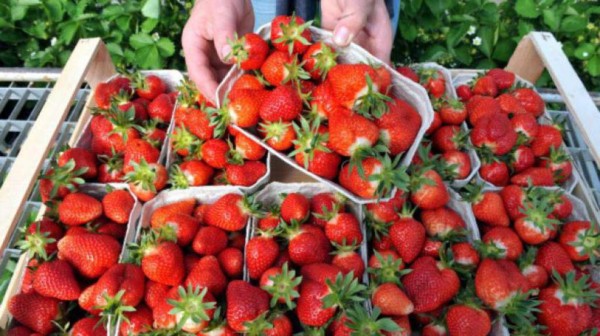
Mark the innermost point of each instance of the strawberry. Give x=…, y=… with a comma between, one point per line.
x=103, y=94
x=502, y=243
x=399, y=139
x=161, y=108
x=162, y=261
x=247, y=81
x=192, y=173
x=494, y=132
x=580, y=240
x=430, y=284
x=154, y=293
x=41, y=238
x=504, y=79
x=296, y=207
x=282, y=326
x=191, y=309
x=88, y=326
x=343, y=228
x=83, y=158
x=280, y=68
x=117, y=205
x=431, y=248
x=354, y=86
x=230, y=212
x=281, y=104
x=56, y=279
x=121, y=285
x=290, y=34
x=442, y=222
x=318, y=59
x=386, y=266
x=78, y=209
x=530, y=100
x=481, y=106
x=261, y=252
x=487, y=206
x=136, y=322
x=246, y=174
x=281, y=284
x=408, y=73
x=407, y=236
x=149, y=86
x=428, y=191
x=453, y=112
x=526, y=126
x=232, y=262
x=537, y=176
x=318, y=302
x=215, y=153
x=554, y=258
x=248, y=52
x=323, y=101
x=87, y=301
x=46, y=311
x=248, y=149
x=387, y=211
x=110, y=228
x=559, y=163
x=464, y=92
x=548, y=136
x=494, y=172
x=78, y=250
x=465, y=255
x=312, y=150
x=499, y=284
x=137, y=150
x=457, y=164
x=209, y=240
x=153, y=134
x=146, y=179
x=562, y=206
x=513, y=198
x=391, y=300
x=535, y=274
x=435, y=123
x=537, y=226
x=244, y=304
x=468, y=320
x=380, y=177
x=111, y=169
x=184, y=143
x=178, y=227
x=433, y=81
x=307, y=245
x=565, y=306
x=159, y=217
x=207, y=273
x=57, y=182
x=278, y=135
x=323, y=203
x=521, y=158
x=449, y=138
x=197, y=121
x=319, y=272
x=485, y=86
x=510, y=106
x=242, y=108
x=349, y=261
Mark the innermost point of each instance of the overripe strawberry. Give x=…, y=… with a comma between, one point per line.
x=481, y=106
x=504, y=79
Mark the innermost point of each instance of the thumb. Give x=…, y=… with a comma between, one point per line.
x=225, y=29
x=352, y=21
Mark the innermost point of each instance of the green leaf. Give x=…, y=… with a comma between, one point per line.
x=148, y=57
x=463, y=55
x=503, y=50
x=487, y=41
x=149, y=24
x=489, y=14
x=114, y=10
x=408, y=31
x=573, y=23
x=585, y=51
x=434, y=53
x=165, y=46
x=524, y=28
x=123, y=22
x=151, y=9
x=593, y=66
x=55, y=10
x=18, y=12
x=527, y=9
x=114, y=49
x=551, y=19
x=437, y=7
x=37, y=30
x=68, y=31
x=486, y=64
x=140, y=40
x=455, y=35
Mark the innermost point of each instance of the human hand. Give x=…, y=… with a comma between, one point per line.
x=204, y=39
x=365, y=22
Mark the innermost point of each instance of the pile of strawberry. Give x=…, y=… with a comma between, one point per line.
x=338, y=121
x=205, y=154
x=128, y=129
x=537, y=260
x=446, y=145
x=74, y=253
x=515, y=142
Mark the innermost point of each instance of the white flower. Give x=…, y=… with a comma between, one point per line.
x=472, y=30
x=53, y=41
x=32, y=54
x=585, y=54
x=155, y=36
x=477, y=41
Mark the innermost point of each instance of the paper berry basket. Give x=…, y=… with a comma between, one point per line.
x=402, y=88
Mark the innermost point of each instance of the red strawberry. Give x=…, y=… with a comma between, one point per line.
x=494, y=132
x=343, y=229
x=307, y=245
x=56, y=279
x=526, y=126
x=249, y=149
x=351, y=133
x=408, y=73
x=407, y=236
x=209, y=240
x=88, y=326
x=433, y=81
x=192, y=173
x=468, y=320
x=580, y=240
x=90, y=254
x=387, y=211
x=123, y=281
x=192, y=309
x=137, y=150
x=111, y=169
x=242, y=109
x=442, y=222
x=351, y=88
x=530, y=100
x=464, y=254
x=247, y=81
x=146, y=179
x=161, y=108
x=430, y=284
x=318, y=59
x=244, y=304
x=521, y=158
x=399, y=139
x=117, y=205
x=246, y=174
x=453, y=112
x=504, y=79
x=161, y=261
x=230, y=212
x=290, y=34
x=280, y=68
x=553, y=257
x=481, y=106
x=149, y=86
x=160, y=215
x=435, y=124
x=391, y=300
x=537, y=176
x=155, y=292
x=495, y=172
x=214, y=153
x=282, y=326
x=537, y=225
x=83, y=158
x=536, y=275
x=323, y=101
x=449, y=138
x=248, y=52
x=548, y=136
x=485, y=86
x=281, y=104
x=559, y=163
x=137, y=322
x=78, y=209
x=281, y=284
x=46, y=310
x=380, y=177
x=464, y=93
x=207, y=273
x=261, y=252
x=313, y=152
x=349, y=261
x=457, y=164
x=279, y=135
x=41, y=238
x=323, y=203
x=498, y=281
x=232, y=262
x=428, y=191
x=488, y=207
x=104, y=93
x=562, y=205
x=510, y=106
x=502, y=242
x=295, y=207
x=197, y=121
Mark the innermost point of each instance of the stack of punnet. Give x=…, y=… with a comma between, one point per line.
x=74, y=280
x=539, y=250
x=201, y=152
x=516, y=140
x=446, y=145
x=332, y=113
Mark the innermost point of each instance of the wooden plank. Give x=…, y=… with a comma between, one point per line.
x=579, y=103
x=89, y=57
x=525, y=61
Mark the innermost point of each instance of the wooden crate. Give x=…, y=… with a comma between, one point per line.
x=90, y=63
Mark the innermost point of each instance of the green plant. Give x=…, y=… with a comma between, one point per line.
x=483, y=34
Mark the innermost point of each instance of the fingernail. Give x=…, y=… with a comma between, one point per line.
x=342, y=36
x=225, y=51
